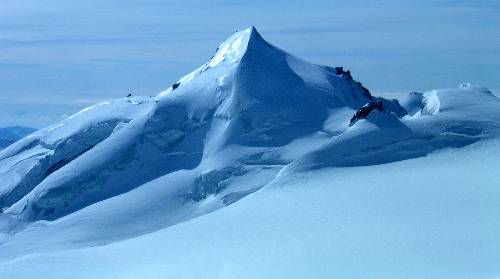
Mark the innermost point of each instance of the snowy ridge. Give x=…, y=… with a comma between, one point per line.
x=251, y=117
x=34, y=158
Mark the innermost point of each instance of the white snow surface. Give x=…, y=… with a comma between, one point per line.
x=438, y=222
x=248, y=168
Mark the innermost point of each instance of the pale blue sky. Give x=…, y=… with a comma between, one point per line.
x=59, y=56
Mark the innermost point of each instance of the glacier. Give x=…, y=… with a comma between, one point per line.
x=304, y=173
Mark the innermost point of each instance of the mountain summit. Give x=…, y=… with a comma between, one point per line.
x=239, y=44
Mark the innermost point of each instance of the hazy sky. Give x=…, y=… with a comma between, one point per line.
x=58, y=56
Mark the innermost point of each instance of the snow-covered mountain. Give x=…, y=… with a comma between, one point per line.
x=240, y=115
x=9, y=135
x=253, y=120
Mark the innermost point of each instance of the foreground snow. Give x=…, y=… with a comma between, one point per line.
x=432, y=217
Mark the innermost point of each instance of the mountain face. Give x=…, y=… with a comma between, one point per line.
x=252, y=115
x=9, y=135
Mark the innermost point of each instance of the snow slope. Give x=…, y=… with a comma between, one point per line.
x=137, y=174
x=431, y=217
x=446, y=118
x=33, y=159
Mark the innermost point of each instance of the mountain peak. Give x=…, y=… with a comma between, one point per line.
x=233, y=49
x=254, y=34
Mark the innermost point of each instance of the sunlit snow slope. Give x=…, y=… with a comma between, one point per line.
x=252, y=118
